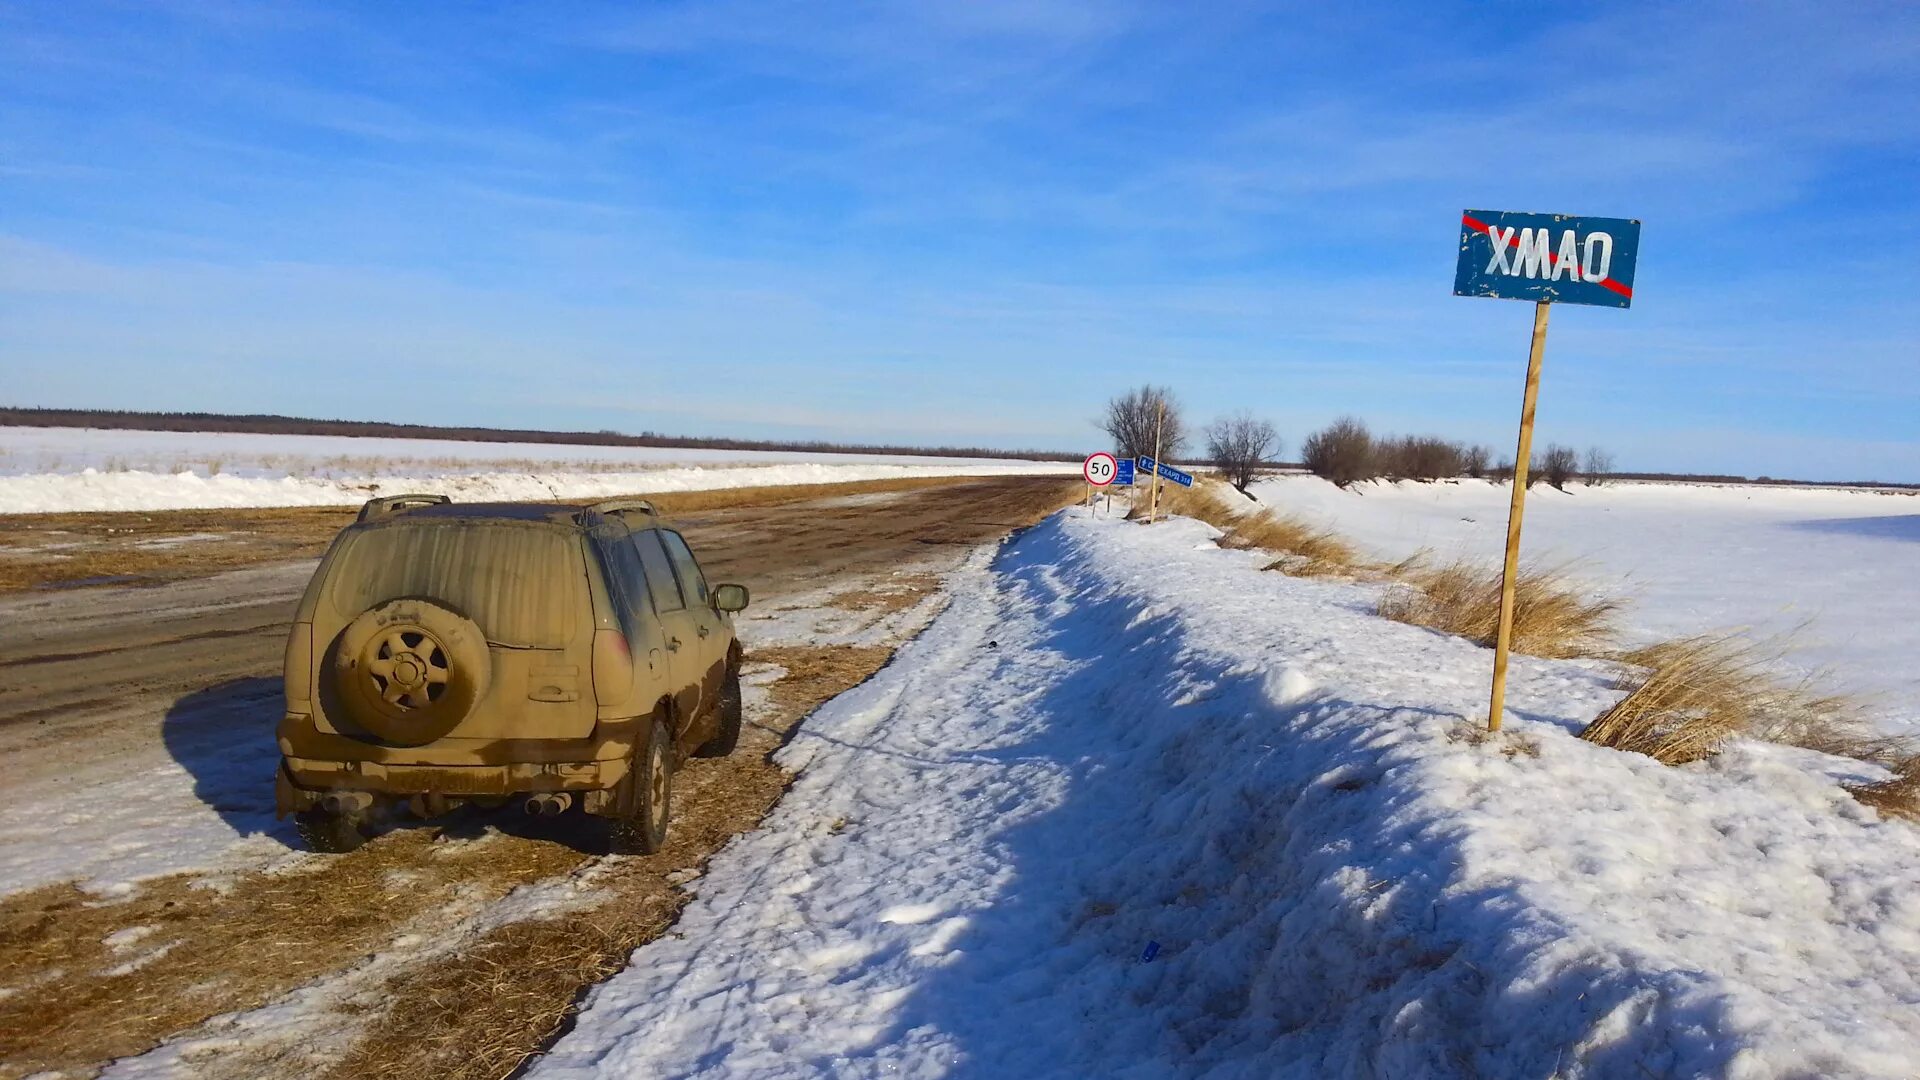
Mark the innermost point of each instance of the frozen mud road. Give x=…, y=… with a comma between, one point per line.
x=157, y=921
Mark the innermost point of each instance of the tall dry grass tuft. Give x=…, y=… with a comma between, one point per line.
x=1305, y=549
x=1552, y=617
x=1686, y=698
x=1896, y=796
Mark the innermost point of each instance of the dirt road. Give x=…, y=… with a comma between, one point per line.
x=395, y=959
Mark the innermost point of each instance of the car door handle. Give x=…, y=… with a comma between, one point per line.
x=704, y=631
x=673, y=644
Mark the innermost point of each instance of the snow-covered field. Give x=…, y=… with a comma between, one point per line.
x=44, y=470
x=1836, y=571
x=1131, y=807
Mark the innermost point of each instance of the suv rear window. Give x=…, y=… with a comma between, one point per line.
x=520, y=583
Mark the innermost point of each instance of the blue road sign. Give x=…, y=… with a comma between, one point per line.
x=1166, y=472
x=1123, y=473
x=1555, y=258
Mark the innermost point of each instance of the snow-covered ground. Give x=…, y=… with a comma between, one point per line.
x=44, y=470
x=1132, y=808
x=1837, y=571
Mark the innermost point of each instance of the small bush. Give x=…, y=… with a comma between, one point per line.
x=1551, y=616
x=1341, y=452
x=1307, y=550
x=1558, y=465
x=1686, y=698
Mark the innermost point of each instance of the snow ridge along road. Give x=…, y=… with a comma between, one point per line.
x=1132, y=808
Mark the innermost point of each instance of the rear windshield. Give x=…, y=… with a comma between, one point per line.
x=520, y=583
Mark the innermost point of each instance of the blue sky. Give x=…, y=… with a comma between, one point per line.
x=968, y=222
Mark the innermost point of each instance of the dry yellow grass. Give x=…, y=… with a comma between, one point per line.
x=1305, y=549
x=1551, y=616
x=1896, y=796
x=1686, y=698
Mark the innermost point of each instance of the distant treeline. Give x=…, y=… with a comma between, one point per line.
x=268, y=424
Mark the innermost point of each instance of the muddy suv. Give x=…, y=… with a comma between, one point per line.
x=556, y=656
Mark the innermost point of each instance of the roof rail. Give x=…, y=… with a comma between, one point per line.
x=393, y=504
x=615, y=506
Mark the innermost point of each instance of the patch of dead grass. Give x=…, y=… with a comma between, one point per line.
x=1686, y=698
x=815, y=673
x=1305, y=549
x=893, y=594
x=1896, y=796
x=1552, y=617
x=225, y=950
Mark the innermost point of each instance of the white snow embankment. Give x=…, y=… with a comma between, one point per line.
x=1132, y=808
x=91, y=490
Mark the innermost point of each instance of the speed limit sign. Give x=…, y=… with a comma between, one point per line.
x=1099, y=469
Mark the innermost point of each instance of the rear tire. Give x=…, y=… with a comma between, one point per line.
x=730, y=708
x=646, y=800
x=328, y=832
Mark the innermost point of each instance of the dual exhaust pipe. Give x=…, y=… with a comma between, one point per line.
x=547, y=804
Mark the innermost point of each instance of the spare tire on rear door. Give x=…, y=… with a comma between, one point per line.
x=408, y=671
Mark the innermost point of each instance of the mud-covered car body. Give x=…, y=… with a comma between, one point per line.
x=448, y=651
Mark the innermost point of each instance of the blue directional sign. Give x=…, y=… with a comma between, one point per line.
x=1123, y=473
x=1165, y=471
x=1555, y=258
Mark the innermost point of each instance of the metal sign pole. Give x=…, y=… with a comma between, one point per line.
x=1514, y=512
x=1153, y=499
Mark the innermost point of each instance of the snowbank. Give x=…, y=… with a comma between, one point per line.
x=1834, y=569
x=27, y=450
x=92, y=490
x=1132, y=808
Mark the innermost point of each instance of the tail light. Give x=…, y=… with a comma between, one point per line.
x=299, y=668
x=612, y=667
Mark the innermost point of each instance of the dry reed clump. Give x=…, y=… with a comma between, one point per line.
x=1202, y=502
x=1686, y=698
x=1305, y=549
x=1552, y=617
x=1896, y=796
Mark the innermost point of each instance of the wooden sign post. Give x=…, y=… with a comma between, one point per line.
x=1153, y=498
x=1545, y=258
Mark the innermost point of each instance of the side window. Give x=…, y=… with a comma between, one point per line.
x=627, y=580
x=693, y=584
x=666, y=597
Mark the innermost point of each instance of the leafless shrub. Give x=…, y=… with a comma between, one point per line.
x=1240, y=446
x=1552, y=617
x=1599, y=466
x=1501, y=473
x=1132, y=418
x=1686, y=698
x=213, y=466
x=1422, y=458
x=1341, y=452
x=1559, y=464
x=1474, y=459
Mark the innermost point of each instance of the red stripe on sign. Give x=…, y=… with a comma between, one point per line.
x=1477, y=225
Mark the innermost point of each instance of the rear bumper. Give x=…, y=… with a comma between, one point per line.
x=303, y=782
x=314, y=763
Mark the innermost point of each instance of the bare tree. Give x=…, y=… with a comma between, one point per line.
x=1342, y=452
x=1501, y=473
x=1473, y=460
x=1131, y=418
x=1599, y=466
x=1240, y=446
x=1559, y=464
